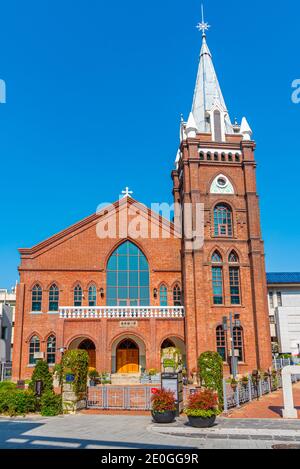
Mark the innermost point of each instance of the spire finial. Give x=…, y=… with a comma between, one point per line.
x=203, y=26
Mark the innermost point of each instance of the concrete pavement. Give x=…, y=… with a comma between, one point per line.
x=125, y=432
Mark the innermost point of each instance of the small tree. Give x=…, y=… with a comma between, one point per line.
x=210, y=366
x=41, y=373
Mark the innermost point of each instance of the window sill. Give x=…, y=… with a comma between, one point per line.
x=52, y=312
x=36, y=312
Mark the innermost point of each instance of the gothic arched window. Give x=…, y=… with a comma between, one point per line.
x=37, y=298
x=34, y=347
x=51, y=349
x=163, y=295
x=217, y=285
x=177, y=300
x=223, y=220
x=221, y=342
x=238, y=340
x=128, y=277
x=216, y=258
x=53, y=298
x=233, y=258
x=78, y=296
x=234, y=279
x=92, y=295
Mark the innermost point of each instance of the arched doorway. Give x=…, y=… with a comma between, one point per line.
x=127, y=357
x=176, y=342
x=88, y=345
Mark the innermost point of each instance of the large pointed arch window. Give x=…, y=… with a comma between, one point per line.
x=234, y=278
x=128, y=277
x=223, y=220
x=78, y=296
x=92, y=295
x=34, y=347
x=163, y=295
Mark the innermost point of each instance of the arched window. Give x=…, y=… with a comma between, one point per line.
x=128, y=277
x=177, y=295
x=53, y=298
x=92, y=295
x=51, y=349
x=163, y=295
x=223, y=220
x=217, y=285
x=37, y=298
x=216, y=258
x=34, y=347
x=238, y=340
x=78, y=296
x=233, y=258
x=221, y=342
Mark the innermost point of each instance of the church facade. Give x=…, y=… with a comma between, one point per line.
x=126, y=282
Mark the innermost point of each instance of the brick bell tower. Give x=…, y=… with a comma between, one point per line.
x=215, y=166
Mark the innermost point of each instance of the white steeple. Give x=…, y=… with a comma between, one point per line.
x=208, y=96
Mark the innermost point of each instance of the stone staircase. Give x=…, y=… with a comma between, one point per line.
x=125, y=379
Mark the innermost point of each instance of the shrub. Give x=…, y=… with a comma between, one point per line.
x=203, y=404
x=163, y=401
x=51, y=404
x=210, y=366
x=93, y=373
x=41, y=373
x=7, y=386
x=17, y=402
x=77, y=362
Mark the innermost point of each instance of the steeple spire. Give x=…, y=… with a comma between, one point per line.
x=208, y=96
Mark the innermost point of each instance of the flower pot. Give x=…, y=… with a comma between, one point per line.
x=93, y=383
x=164, y=417
x=199, y=422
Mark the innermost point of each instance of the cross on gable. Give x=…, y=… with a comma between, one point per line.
x=127, y=192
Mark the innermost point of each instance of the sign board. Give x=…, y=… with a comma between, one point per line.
x=173, y=382
x=38, y=388
x=38, y=355
x=128, y=324
x=70, y=378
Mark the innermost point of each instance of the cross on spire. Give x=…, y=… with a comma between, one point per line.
x=127, y=193
x=203, y=26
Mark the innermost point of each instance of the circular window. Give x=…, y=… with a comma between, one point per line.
x=222, y=182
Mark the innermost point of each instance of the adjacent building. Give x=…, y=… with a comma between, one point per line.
x=7, y=316
x=150, y=284
x=284, y=310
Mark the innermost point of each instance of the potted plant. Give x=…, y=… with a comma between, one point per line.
x=163, y=406
x=202, y=409
x=93, y=375
x=233, y=383
x=245, y=380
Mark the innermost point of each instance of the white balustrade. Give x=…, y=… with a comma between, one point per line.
x=121, y=312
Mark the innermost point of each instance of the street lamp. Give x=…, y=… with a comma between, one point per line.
x=234, y=321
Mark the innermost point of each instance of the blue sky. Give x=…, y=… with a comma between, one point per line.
x=94, y=96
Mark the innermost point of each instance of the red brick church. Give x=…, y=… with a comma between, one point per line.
x=125, y=297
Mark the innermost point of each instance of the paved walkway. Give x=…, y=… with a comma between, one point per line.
x=125, y=432
x=268, y=407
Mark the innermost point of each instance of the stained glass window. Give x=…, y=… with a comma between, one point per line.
x=216, y=258
x=234, y=277
x=128, y=277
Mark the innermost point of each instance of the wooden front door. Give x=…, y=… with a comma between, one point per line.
x=127, y=361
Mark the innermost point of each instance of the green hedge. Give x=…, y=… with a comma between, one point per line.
x=210, y=366
x=51, y=404
x=15, y=401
